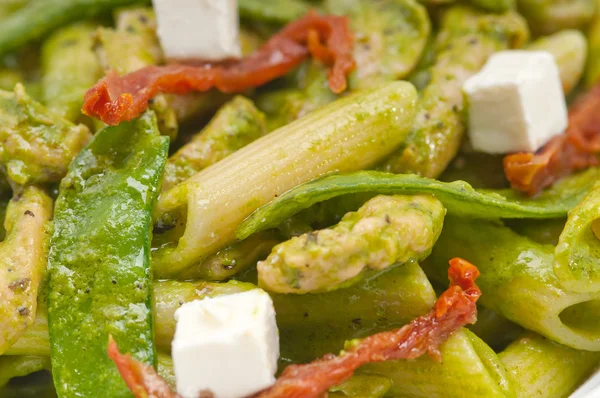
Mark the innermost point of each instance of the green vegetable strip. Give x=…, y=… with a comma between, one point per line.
x=592, y=72
x=577, y=255
x=39, y=18
x=569, y=48
x=469, y=369
x=237, y=124
x=18, y=366
x=99, y=277
x=466, y=39
x=458, y=197
x=69, y=68
x=37, y=145
x=23, y=257
x=550, y=16
x=132, y=45
x=276, y=12
x=385, y=231
x=390, y=37
x=540, y=368
x=518, y=281
x=348, y=134
x=495, y=330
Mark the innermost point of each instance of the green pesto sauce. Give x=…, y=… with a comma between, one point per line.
x=99, y=276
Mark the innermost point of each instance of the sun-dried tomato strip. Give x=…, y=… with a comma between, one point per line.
x=574, y=150
x=116, y=99
x=453, y=309
x=142, y=380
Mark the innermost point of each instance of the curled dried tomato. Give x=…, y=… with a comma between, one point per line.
x=115, y=99
x=453, y=309
x=574, y=150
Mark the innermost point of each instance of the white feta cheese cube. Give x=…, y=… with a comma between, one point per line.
x=228, y=345
x=516, y=102
x=198, y=29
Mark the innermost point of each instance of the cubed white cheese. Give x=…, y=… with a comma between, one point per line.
x=198, y=29
x=515, y=103
x=228, y=345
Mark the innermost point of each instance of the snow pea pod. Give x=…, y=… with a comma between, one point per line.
x=458, y=197
x=99, y=262
x=576, y=257
x=38, y=18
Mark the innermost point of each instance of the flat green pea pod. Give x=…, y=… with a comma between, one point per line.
x=576, y=257
x=276, y=12
x=569, y=48
x=23, y=257
x=349, y=134
x=469, y=368
x=37, y=145
x=39, y=18
x=592, y=72
x=549, y=16
x=19, y=366
x=237, y=124
x=465, y=41
x=385, y=231
x=518, y=281
x=541, y=368
x=390, y=37
x=132, y=45
x=458, y=197
x=69, y=68
x=99, y=264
